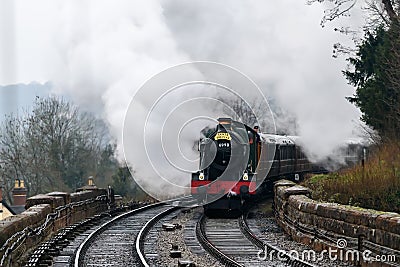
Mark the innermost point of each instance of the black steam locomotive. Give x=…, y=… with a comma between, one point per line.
x=237, y=162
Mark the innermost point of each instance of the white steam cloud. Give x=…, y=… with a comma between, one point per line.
x=100, y=52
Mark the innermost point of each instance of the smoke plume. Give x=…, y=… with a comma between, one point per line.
x=100, y=53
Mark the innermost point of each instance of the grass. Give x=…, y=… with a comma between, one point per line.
x=376, y=185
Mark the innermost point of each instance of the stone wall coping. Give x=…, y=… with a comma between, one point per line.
x=57, y=194
x=286, y=192
x=283, y=183
x=39, y=206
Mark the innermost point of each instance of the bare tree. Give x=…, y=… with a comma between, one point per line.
x=55, y=147
x=386, y=10
x=337, y=9
x=271, y=118
x=11, y=153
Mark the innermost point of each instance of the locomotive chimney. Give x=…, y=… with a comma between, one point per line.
x=225, y=123
x=19, y=193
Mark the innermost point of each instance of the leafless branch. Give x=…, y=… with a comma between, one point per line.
x=338, y=8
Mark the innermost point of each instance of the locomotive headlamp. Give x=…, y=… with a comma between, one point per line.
x=201, y=176
x=245, y=176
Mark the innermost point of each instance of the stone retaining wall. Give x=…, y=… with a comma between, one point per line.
x=320, y=224
x=69, y=208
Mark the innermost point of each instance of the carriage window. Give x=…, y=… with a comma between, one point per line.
x=284, y=152
x=291, y=152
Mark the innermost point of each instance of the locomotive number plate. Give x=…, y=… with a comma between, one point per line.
x=225, y=136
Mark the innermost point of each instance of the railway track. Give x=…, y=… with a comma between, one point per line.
x=105, y=240
x=60, y=249
x=234, y=244
x=130, y=239
x=112, y=243
x=269, y=247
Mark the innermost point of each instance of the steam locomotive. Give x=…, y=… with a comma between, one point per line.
x=237, y=162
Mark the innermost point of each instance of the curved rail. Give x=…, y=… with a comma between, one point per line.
x=143, y=232
x=202, y=237
x=85, y=244
x=268, y=247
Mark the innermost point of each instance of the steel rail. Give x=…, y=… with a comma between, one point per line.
x=268, y=247
x=139, y=242
x=208, y=246
x=85, y=244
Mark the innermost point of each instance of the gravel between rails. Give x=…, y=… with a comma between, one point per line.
x=185, y=239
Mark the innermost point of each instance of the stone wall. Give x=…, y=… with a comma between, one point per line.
x=320, y=225
x=59, y=208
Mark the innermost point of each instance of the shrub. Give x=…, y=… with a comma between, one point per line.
x=375, y=185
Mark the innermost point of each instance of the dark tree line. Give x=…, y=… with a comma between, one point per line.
x=376, y=70
x=124, y=184
x=375, y=67
x=54, y=147
x=376, y=76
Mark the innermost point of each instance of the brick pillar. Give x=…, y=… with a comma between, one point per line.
x=19, y=193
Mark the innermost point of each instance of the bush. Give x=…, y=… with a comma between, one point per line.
x=376, y=185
